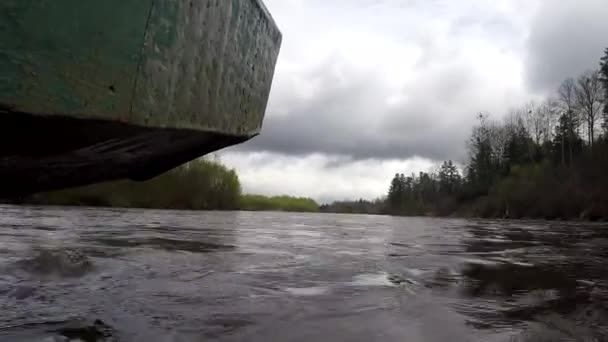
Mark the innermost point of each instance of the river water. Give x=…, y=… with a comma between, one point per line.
x=71, y=274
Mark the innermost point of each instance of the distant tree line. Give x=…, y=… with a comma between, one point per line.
x=199, y=185
x=547, y=160
x=425, y=193
x=354, y=207
x=278, y=203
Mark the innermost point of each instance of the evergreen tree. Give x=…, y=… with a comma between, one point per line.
x=566, y=142
x=604, y=81
x=517, y=149
x=449, y=178
x=481, y=167
x=395, y=193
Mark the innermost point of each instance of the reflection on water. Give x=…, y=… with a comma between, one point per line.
x=136, y=275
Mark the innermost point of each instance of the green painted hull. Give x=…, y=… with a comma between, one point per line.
x=197, y=72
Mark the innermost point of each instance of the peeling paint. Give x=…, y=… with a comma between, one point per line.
x=208, y=65
x=204, y=64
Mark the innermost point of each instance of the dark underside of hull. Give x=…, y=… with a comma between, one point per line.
x=42, y=153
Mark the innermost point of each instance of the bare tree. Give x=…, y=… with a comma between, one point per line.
x=541, y=120
x=499, y=138
x=537, y=120
x=552, y=112
x=522, y=118
x=567, y=95
x=514, y=121
x=589, y=100
x=534, y=123
x=567, y=101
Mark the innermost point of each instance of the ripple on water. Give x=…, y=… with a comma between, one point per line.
x=227, y=276
x=371, y=279
x=167, y=244
x=416, y=272
x=514, y=262
x=484, y=262
x=60, y=262
x=351, y=253
x=308, y=291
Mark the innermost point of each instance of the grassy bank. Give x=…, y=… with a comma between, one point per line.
x=200, y=185
x=278, y=203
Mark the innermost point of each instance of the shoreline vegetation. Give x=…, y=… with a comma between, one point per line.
x=544, y=160
x=200, y=185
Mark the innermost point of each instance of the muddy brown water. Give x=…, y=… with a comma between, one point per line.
x=80, y=274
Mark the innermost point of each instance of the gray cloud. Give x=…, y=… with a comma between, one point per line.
x=566, y=39
x=350, y=118
x=361, y=90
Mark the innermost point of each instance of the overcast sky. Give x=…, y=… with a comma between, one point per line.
x=367, y=88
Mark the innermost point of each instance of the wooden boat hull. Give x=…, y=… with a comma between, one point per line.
x=100, y=90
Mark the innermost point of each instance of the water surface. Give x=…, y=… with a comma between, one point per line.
x=70, y=274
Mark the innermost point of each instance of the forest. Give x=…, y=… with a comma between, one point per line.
x=542, y=160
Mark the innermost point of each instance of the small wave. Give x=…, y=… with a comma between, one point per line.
x=406, y=245
x=350, y=253
x=167, y=244
x=61, y=331
x=308, y=291
x=416, y=272
x=365, y=280
x=62, y=262
x=484, y=262
x=513, y=262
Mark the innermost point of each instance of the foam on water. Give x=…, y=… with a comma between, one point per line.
x=365, y=280
x=415, y=272
x=308, y=291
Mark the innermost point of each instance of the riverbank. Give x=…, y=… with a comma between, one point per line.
x=90, y=198
x=200, y=185
x=486, y=207
x=305, y=205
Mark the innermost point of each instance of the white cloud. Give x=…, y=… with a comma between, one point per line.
x=324, y=178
